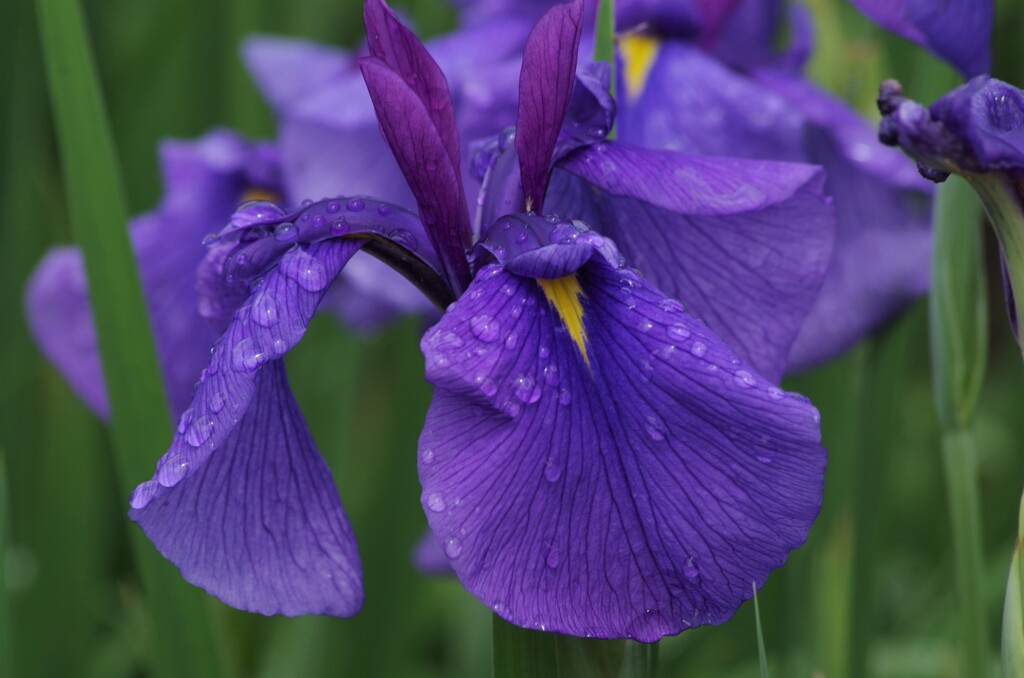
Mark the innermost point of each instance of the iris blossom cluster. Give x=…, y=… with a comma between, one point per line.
x=595, y=460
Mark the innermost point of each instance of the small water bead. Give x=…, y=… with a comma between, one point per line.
x=278, y=346
x=383, y=210
x=285, y=232
x=563, y=234
x=564, y=396
x=511, y=341
x=333, y=207
x=670, y=306
x=452, y=547
x=173, y=470
x=217, y=402
x=690, y=569
x=679, y=332
x=264, y=311
x=339, y=227
x=552, y=470
x=427, y=455
x=498, y=251
x=307, y=202
x=521, y=238
x=508, y=290
x=304, y=217
x=485, y=327
x=505, y=139
x=552, y=218
x=308, y=271
x=405, y=239
x=1004, y=109
x=318, y=221
x=626, y=297
x=655, y=427
x=551, y=375
x=699, y=349
x=208, y=239
x=526, y=389
x=512, y=408
x=764, y=459
x=552, y=560
x=645, y=325
x=183, y=420
x=355, y=205
x=436, y=503
x=745, y=379
x=775, y=393
x=199, y=431
x=543, y=352
x=476, y=294
x=247, y=356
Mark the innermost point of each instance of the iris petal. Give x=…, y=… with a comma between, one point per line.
x=635, y=497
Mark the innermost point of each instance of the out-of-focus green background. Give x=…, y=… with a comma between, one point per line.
x=170, y=69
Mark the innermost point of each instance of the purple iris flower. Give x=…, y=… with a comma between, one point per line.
x=205, y=180
x=595, y=461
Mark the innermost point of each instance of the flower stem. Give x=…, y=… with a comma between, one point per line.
x=1013, y=609
x=604, y=44
x=521, y=652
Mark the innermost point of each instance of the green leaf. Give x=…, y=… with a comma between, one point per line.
x=139, y=421
x=958, y=304
x=5, y=634
x=520, y=652
x=1013, y=609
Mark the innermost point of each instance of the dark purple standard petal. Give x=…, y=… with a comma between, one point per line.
x=545, y=86
x=744, y=244
x=623, y=476
x=204, y=180
x=241, y=501
x=402, y=51
x=958, y=31
x=426, y=165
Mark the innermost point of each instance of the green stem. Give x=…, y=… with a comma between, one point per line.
x=959, y=460
x=604, y=44
x=5, y=645
x=139, y=422
x=1013, y=609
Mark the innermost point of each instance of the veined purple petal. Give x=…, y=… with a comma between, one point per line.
x=204, y=180
x=958, y=31
x=634, y=491
x=744, y=244
x=240, y=502
x=545, y=86
x=402, y=51
x=426, y=165
x=259, y=524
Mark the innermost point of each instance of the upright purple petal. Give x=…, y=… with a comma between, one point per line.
x=545, y=86
x=636, y=489
x=204, y=180
x=241, y=501
x=958, y=31
x=402, y=51
x=425, y=163
x=744, y=244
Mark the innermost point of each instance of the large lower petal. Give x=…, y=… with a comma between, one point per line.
x=744, y=244
x=636, y=487
x=241, y=502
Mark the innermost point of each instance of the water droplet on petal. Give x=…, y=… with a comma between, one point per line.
x=745, y=379
x=383, y=210
x=679, y=331
x=511, y=340
x=1004, y=109
x=308, y=271
x=217, y=402
x=699, y=349
x=247, y=356
x=670, y=306
x=285, y=232
x=645, y=325
x=452, y=547
x=355, y=205
x=333, y=207
x=199, y=431
x=485, y=327
x=551, y=374
x=512, y=408
x=264, y=311
x=764, y=459
x=436, y=503
x=172, y=470
x=552, y=560
x=775, y=393
x=690, y=569
x=526, y=389
x=552, y=470
x=427, y=455
x=564, y=396
x=183, y=420
x=655, y=427
x=339, y=227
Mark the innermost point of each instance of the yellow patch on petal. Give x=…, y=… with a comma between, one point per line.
x=260, y=194
x=638, y=54
x=564, y=294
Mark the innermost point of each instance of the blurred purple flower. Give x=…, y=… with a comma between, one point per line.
x=595, y=460
x=204, y=182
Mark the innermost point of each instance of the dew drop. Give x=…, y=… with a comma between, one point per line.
x=699, y=349
x=645, y=325
x=670, y=306
x=436, y=503
x=285, y=232
x=563, y=234
x=383, y=210
x=679, y=331
x=217, y=402
x=764, y=459
x=526, y=389
x=543, y=352
x=452, y=547
x=173, y=469
x=264, y=311
x=552, y=560
x=521, y=238
x=485, y=328
x=511, y=341
x=775, y=393
x=512, y=408
x=427, y=455
x=655, y=427
x=1004, y=109
x=564, y=396
x=339, y=227
x=745, y=379
x=551, y=375
x=308, y=271
x=690, y=569
x=183, y=420
x=333, y=207
x=199, y=431
x=246, y=356
x=552, y=470
x=355, y=205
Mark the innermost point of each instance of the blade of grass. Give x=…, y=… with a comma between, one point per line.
x=139, y=422
x=520, y=652
x=762, y=656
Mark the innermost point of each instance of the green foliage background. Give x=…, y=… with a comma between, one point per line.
x=71, y=602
